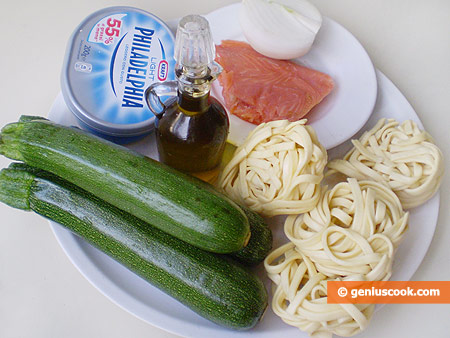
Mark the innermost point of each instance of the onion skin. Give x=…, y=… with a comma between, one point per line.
x=281, y=29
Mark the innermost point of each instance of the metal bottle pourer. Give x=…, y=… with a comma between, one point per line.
x=195, y=66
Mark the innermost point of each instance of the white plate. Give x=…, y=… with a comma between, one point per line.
x=151, y=305
x=335, y=52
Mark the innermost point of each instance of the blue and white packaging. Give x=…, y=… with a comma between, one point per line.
x=112, y=57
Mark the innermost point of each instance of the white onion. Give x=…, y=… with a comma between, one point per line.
x=280, y=29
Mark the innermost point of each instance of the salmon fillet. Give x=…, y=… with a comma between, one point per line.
x=260, y=89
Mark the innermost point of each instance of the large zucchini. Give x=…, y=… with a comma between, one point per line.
x=178, y=204
x=216, y=288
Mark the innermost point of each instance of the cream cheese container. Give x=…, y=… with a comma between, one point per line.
x=111, y=58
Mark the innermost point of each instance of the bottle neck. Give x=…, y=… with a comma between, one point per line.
x=193, y=91
x=191, y=105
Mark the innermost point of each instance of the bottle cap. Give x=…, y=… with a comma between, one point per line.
x=194, y=46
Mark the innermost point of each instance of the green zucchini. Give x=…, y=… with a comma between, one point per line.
x=28, y=118
x=178, y=204
x=257, y=249
x=214, y=287
x=260, y=242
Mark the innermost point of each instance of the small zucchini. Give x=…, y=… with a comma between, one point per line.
x=178, y=204
x=211, y=285
x=260, y=242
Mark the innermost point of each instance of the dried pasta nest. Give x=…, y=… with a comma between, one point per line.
x=354, y=230
x=400, y=156
x=351, y=234
x=300, y=297
x=277, y=170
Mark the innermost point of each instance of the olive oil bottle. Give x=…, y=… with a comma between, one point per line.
x=191, y=126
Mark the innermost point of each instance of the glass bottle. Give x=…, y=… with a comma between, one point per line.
x=191, y=126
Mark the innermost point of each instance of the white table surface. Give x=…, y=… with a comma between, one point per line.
x=41, y=292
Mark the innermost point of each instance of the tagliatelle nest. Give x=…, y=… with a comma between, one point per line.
x=400, y=156
x=354, y=230
x=300, y=297
x=351, y=234
x=277, y=170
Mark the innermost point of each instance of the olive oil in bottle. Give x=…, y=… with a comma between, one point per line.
x=192, y=127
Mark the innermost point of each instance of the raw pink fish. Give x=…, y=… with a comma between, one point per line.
x=260, y=89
